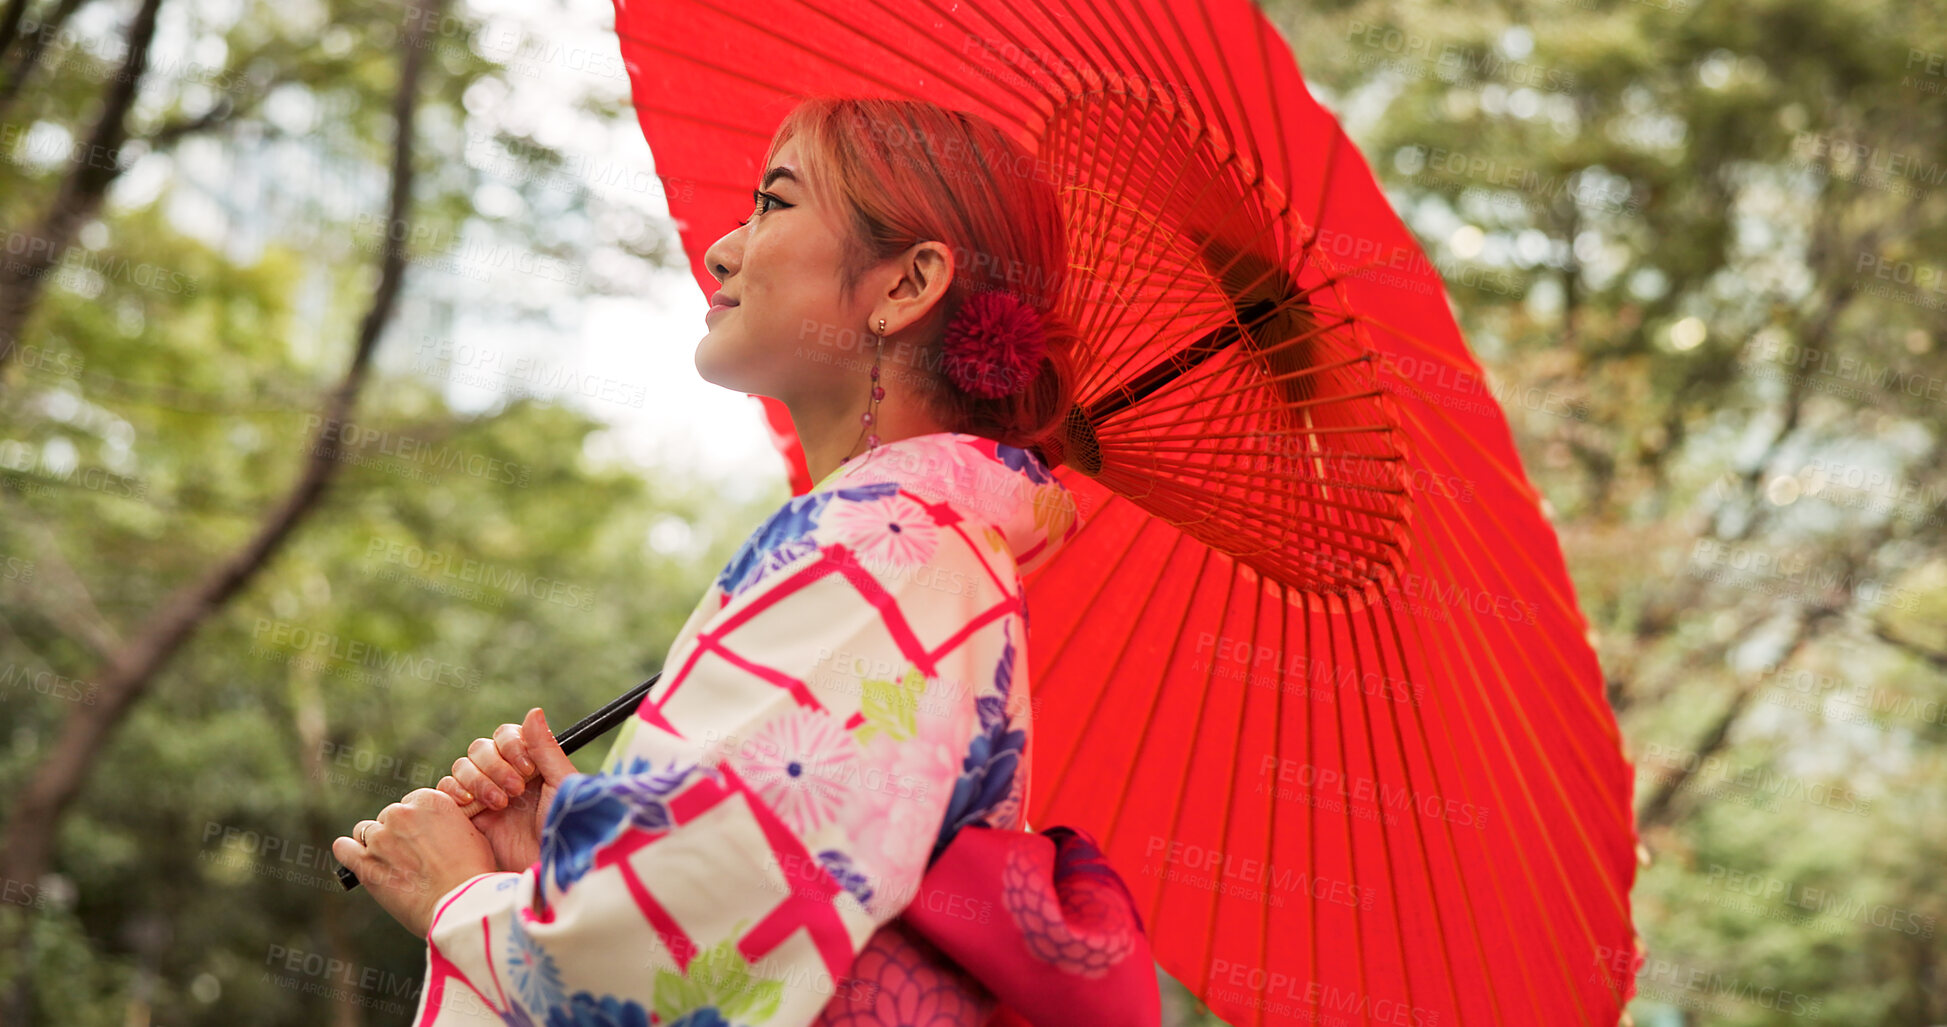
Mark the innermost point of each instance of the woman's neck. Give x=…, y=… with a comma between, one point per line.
x=834, y=434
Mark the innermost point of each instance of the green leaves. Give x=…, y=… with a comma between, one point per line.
x=717, y=977
x=891, y=706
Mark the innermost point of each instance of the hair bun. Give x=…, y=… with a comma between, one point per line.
x=994, y=344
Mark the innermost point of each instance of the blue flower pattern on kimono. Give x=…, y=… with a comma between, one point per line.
x=585, y=1010
x=987, y=774
x=536, y=977
x=515, y=1016
x=787, y=527
x=591, y=809
x=839, y=865
x=1025, y=462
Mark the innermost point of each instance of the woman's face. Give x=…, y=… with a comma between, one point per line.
x=790, y=335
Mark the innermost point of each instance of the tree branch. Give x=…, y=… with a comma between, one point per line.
x=34, y=44
x=81, y=192
x=10, y=25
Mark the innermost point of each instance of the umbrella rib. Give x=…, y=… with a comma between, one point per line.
x=1582, y=754
x=1544, y=769
x=1102, y=584
x=1196, y=728
x=1267, y=61
x=1162, y=683
x=1277, y=755
x=1309, y=501
x=1439, y=699
x=1385, y=828
x=1311, y=758
x=1372, y=620
x=1562, y=598
x=1520, y=852
x=1061, y=773
x=1383, y=539
x=1332, y=141
x=1197, y=399
x=1345, y=770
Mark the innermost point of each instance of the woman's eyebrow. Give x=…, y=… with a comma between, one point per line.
x=776, y=173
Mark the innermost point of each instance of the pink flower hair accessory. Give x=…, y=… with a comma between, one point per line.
x=993, y=344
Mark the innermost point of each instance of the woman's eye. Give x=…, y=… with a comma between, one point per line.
x=762, y=202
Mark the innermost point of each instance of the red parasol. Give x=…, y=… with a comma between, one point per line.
x=1313, y=671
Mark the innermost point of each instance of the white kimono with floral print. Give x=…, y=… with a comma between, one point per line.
x=851, y=692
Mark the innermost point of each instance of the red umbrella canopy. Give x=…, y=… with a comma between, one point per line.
x=1312, y=669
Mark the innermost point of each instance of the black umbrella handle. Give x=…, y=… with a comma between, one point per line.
x=586, y=730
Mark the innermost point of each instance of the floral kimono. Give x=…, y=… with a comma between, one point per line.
x=849, y=698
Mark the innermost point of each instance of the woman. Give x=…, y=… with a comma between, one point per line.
x=850, y=700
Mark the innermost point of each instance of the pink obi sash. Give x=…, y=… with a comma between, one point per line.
x=1008, y=929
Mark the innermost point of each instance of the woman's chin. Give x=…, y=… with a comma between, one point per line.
x=726, y=372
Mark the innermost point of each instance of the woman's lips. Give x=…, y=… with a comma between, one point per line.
x=717, y=308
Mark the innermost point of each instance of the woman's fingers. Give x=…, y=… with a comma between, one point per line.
x=472, y=779
x=451, y=785
x=486, y=755
x=544, y=749
x=507, y=738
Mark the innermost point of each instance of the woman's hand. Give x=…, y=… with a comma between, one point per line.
x=417, y=850
x=496, y=774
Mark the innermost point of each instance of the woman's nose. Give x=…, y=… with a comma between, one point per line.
x=724, y=255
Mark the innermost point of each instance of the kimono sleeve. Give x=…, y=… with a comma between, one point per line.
x=778, y=798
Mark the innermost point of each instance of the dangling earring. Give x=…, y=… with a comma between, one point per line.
x=870, y=418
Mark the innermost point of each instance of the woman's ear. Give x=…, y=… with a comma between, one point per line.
x=926, y=276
